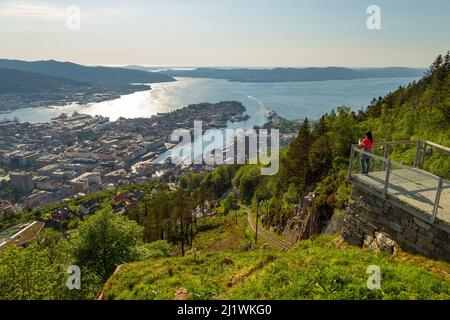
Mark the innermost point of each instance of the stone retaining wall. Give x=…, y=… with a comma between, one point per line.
x=368, y=214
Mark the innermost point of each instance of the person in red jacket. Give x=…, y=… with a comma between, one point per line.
x=366, y=144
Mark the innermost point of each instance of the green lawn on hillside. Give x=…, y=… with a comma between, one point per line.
x=313, y=269
x=224, y=233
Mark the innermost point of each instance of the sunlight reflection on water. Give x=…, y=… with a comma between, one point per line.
x=293, y=100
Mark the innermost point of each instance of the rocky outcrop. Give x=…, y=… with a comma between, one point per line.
x=379, y=242
x=293, y=230
x=334, y=226
x=309, y=222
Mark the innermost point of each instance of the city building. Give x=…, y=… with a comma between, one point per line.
x=88, y=207
x=7, y=208
x=23, y=159
x=21, y=182
x=86, y=181
x=36, y=199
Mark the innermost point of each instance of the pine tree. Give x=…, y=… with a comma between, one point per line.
x=296, y=162
x=320, y=128
x=435, y=66
x=447, y=62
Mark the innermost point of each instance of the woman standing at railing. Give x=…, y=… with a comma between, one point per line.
x=366, y=144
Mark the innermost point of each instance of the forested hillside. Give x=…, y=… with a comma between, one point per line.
x=317, y=161
x=86, y=73
x=17, y=81
x=294, y=74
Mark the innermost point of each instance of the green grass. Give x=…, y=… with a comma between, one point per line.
x=9, y=233
x=313, y=269
x=273, y=233
x=223, y=233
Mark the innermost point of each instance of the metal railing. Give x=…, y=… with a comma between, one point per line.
x=422, y=148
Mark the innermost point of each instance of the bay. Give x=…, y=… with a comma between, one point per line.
x=292, y=100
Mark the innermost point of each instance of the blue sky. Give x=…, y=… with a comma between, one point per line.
x=254, y=33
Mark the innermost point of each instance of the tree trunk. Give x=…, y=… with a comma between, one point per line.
x=182, y=235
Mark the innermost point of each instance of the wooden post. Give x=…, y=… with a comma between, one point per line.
x=386, y=181
x=437, y=200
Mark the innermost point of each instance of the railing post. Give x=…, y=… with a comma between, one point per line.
x=424, y=152
x=386, y=151
x=386, y=154
x=350, y=167
x=416, y=157
x=437, y=200
x=386, y=180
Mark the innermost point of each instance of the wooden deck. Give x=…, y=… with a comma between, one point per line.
x=415, y=188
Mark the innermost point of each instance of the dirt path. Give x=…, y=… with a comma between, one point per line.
x=267, y=236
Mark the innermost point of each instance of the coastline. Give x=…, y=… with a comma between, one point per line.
x=92, y=97
x=291, y=100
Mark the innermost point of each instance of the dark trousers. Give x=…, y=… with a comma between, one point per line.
x=365, y=164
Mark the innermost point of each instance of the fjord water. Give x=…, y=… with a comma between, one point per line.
x=292, y=100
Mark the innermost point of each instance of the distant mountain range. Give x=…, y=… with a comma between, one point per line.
x=26, y=84
x=94, y=75
x=42, y=83
x=14, y=81
x=294, y=74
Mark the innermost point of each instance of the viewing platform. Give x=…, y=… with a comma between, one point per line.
x=415, y=189
x=407, y=203
x=412, y=186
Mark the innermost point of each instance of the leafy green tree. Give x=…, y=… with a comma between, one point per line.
x=246, y=181
x=320, y=157
x=219, y=181
x=104, y=241
x=155, y=249
x=22, y=275
x=190, y=181
x=291, y=196
x=343, y=132
x=39, y=272
x=230, y=203
x=182, y=212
